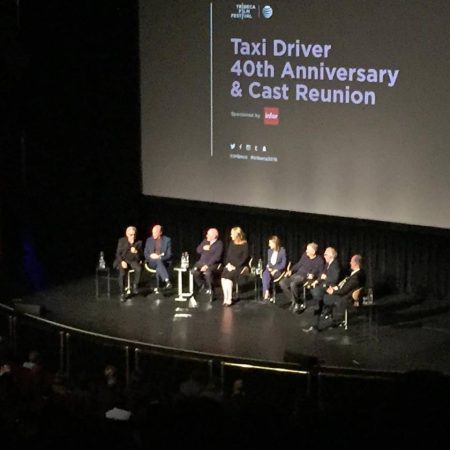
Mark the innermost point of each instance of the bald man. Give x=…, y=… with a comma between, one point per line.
x=158, y=252
x=337, y=297
x=128, y=256
x=210, y=251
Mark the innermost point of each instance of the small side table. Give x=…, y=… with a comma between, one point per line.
x=257, y=277
x=183, y=296
x=102, y=274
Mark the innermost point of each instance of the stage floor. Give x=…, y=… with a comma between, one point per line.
x=409, y=334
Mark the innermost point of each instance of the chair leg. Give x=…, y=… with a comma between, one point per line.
x=156, y=289
x=128, y=287
x=273, y=299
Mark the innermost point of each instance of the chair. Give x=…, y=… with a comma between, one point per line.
x=276, y=282
x=128, y=286
x=152, y=271
x=359, y=304
x=356, y=295
x=307, y=286
x=245, y=271
x=215, y=281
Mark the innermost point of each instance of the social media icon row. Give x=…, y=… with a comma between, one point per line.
x=248, y=147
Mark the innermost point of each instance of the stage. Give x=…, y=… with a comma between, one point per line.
x=405, y=334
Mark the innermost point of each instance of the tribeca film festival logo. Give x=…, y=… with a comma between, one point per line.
x=271, y=116
x=245, y=11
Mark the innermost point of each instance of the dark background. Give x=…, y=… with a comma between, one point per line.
x=71, y=174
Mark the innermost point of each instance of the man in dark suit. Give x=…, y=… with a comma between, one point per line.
x=210, y=251
x=158, y=252
x=328, y=278
x=128, y=256
x=337, y=297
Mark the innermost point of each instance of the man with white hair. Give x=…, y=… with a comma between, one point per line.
x=329, y=277
x=210, y=251
x=128, y=256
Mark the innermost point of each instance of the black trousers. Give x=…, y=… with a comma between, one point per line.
x=291, y=287
x=137, y=267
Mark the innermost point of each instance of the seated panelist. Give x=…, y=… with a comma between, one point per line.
x=329, y=277
x=276, y=263
x=158, y=252
x=128, y=256
x=235, y=259
x=210, y=251
x=307, y=269
x=338, y=297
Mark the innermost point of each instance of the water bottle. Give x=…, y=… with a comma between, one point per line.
x=183, y=260
x=369, y=296
x=101, y=261
x=186, y=259
x=259, y=267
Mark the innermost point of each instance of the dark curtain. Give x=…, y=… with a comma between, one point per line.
x=398, y=258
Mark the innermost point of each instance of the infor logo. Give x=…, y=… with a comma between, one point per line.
x=271, y=116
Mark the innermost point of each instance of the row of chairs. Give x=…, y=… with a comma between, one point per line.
x=247, y=270
x=357, y=296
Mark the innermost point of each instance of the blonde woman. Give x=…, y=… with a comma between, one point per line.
x=236, y=257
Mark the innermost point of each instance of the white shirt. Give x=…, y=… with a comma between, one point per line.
x=273, y=259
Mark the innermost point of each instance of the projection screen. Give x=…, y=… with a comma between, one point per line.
x=329, y=107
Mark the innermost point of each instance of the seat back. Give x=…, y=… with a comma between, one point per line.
x=152, y=271
x=247, y=268
x=357, y=296
x=243, y=275
x=283, y=273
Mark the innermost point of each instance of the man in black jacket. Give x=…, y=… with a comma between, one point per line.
x=309, y=267
x=128, y=256
x=328, y=278
x=338, y=296
x=210, y=251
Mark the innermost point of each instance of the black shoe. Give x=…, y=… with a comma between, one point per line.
x=317, y=312
x=338, y=324
x=326, y=313
x=312, y=328
x=299, y=308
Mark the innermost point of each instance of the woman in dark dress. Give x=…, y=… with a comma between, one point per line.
x=235, y=259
